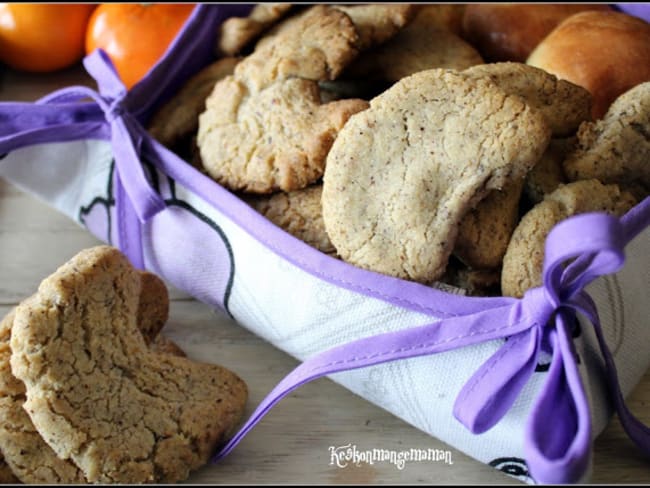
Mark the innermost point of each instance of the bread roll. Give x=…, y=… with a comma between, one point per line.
x=510, y=32
x=607, y=53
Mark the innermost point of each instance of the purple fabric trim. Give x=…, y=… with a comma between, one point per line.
x=640, y=9
x=558, y=455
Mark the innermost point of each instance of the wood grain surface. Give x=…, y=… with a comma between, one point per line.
x=290, y=445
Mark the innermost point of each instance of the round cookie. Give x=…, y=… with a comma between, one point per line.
x=564, y=104
x=264, y=128
x=605, y=52
x=402, y=174
x=425, y=43
x=315, y=44
x=178, y=118
x=524, y=259
x=616, y=149
x=271, y=140
x=75, y=344
x=299, y=213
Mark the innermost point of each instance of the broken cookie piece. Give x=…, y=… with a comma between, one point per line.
x=98, y=396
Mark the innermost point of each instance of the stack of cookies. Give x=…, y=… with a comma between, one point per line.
x=91, y=392
x=403, y=139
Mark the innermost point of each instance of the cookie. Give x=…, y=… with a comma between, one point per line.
x=275, y=139
x=178, y=118
x=564, y=104
x=315, y=44
x=524, y=259
x=377, y=23
x=485, y=230
x=616, y=148
x=548, y=174
x=299, y=213
x=402, y=174
x=236, y=33
x=162, y=344
x=23, y=450
x=98, y=396
x=423, y=44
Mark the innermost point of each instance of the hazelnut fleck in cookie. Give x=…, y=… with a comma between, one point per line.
x=524, y=259
x=24, y=453
x=178, y=119
x=98, y=396
x=299, y=213
x=402, y=174
x=564, y=104
x=424, y=43
x=236, y=33
x=485, y=230
x=616, y=148
x=274, y=139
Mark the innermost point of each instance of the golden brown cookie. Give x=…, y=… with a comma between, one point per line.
x=402, y=174
x=264, y=128
x=616, y=149
x=376, y=23
x=178, y=118
x=547, y=174
x=299, y=213
x=524, y=259
x=23, y=450
x=485, y=230
x=28, y=457
x=274, y=139
x=423, y=44
x=564, y=104
x=236, y=33
x=98, y=396
x=315, y=44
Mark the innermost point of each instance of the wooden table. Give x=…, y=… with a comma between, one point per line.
x=291, y=445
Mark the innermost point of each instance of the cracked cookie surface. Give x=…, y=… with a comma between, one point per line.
x=264, y=128
x=564, y=104
x=26, y=455
x=98, y=396
x=235, y=33
x=299, y=213
x=524, y=258
x=275, y=139
x=402, y=174
x=616, y=148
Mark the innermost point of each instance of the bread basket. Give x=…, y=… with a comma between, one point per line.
x=484, y=375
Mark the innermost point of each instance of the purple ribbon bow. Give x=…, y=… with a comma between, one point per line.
x=540, y=321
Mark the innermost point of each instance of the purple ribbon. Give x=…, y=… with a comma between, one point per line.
x=540, y=321
x=578, y=251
